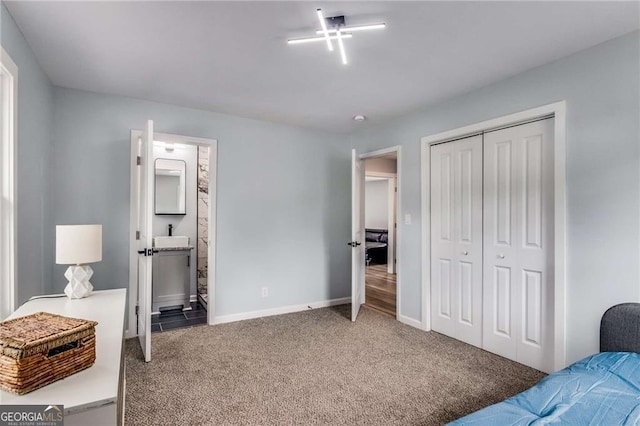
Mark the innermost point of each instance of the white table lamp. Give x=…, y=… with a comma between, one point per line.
x=77, y=245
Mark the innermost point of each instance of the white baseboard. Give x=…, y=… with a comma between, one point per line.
x=410, y=321
x=279, y=311
x=270, y=312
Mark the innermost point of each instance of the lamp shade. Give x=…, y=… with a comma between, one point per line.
x=78, y=244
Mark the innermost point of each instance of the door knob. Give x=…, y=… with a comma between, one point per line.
x=501, y=256
x=465, y=253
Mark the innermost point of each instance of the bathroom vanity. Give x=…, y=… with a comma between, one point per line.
x=171, y=286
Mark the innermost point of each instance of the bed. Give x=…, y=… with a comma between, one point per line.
x=602, y=389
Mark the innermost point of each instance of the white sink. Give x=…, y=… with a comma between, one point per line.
x=171, y=242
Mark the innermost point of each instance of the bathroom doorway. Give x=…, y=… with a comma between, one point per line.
x=181, y=190
x=380, y=222
x=183, y=227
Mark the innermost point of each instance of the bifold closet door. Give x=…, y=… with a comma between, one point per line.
x=456, y=239
x=518, y=243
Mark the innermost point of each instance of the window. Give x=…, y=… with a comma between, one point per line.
x=8, y=121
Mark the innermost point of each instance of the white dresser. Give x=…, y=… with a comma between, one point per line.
x=94, y=396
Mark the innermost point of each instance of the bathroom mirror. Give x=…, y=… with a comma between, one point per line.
x=170, y=186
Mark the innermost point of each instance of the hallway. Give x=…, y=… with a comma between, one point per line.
x=380, y=289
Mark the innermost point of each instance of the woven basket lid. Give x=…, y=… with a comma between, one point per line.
x=40, y=332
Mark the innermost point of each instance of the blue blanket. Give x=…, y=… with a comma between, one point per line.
x=602, y=389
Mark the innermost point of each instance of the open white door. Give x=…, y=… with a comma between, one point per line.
x=145, y=240
x=357, y=237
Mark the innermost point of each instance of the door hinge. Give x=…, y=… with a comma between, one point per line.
x=396, y=188
x=137, y=309
x=138, y=160
x=137, y=235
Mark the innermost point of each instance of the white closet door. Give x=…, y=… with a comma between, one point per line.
x=456, y=239
x=518, y=243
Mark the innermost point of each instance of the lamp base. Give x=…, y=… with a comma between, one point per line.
x=79, y=285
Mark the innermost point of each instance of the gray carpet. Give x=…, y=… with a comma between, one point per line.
x=314, y=367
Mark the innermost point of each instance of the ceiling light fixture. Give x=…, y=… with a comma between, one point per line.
x=334, y=28
x=323, y=25
x=314, y=39
x=343, y=54
x=359, y=117
x=357, y=28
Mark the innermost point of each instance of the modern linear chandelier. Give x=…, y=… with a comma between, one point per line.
x=334, y=29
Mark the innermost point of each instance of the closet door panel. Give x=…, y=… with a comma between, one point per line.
x=532, y=192
x=502, y=213
x=500, y=261
x=442, y=244
x=532, y=307
x=466, y=303
x=535, y=249
x=518, y=212
x=456, y=239
x=444, y=277
x=502, y=302
x=467, y=233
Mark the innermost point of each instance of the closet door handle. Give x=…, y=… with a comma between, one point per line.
x=501, y=256
x=465, y=252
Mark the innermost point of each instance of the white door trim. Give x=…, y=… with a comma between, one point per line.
x=381, y=174
x=133, y=259
x=391, y=227
x=398, y=237
x=8, y=188
x=558, y=110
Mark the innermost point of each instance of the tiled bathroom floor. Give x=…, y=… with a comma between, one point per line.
x=177, y=318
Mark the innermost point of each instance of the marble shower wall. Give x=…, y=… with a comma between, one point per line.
x=203, y=225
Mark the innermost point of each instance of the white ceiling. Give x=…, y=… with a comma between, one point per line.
x=232, y=57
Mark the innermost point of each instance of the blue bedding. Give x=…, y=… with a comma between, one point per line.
x=602, y=389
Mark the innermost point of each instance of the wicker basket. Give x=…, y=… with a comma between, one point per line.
x=38, y=349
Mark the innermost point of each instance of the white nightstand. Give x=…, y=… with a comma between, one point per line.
x=93, y=396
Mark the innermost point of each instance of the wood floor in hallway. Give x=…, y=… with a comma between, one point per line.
x=380, y=291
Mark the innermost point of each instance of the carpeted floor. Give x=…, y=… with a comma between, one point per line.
x=314, y=367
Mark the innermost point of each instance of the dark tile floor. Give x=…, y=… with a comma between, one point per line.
x=177, y=318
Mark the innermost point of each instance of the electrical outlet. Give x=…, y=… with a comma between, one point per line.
x=265, y=291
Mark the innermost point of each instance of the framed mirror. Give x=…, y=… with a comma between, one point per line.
x=170, y=186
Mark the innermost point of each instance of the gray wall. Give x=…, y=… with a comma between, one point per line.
x=601, y=87
x=185, y=225
x=376, y=204
x=283, y=197
x=35, y=233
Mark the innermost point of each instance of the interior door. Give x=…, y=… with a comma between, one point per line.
x=456, y=239
x=518, y=243
x=145, y=241
x=357, y=235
